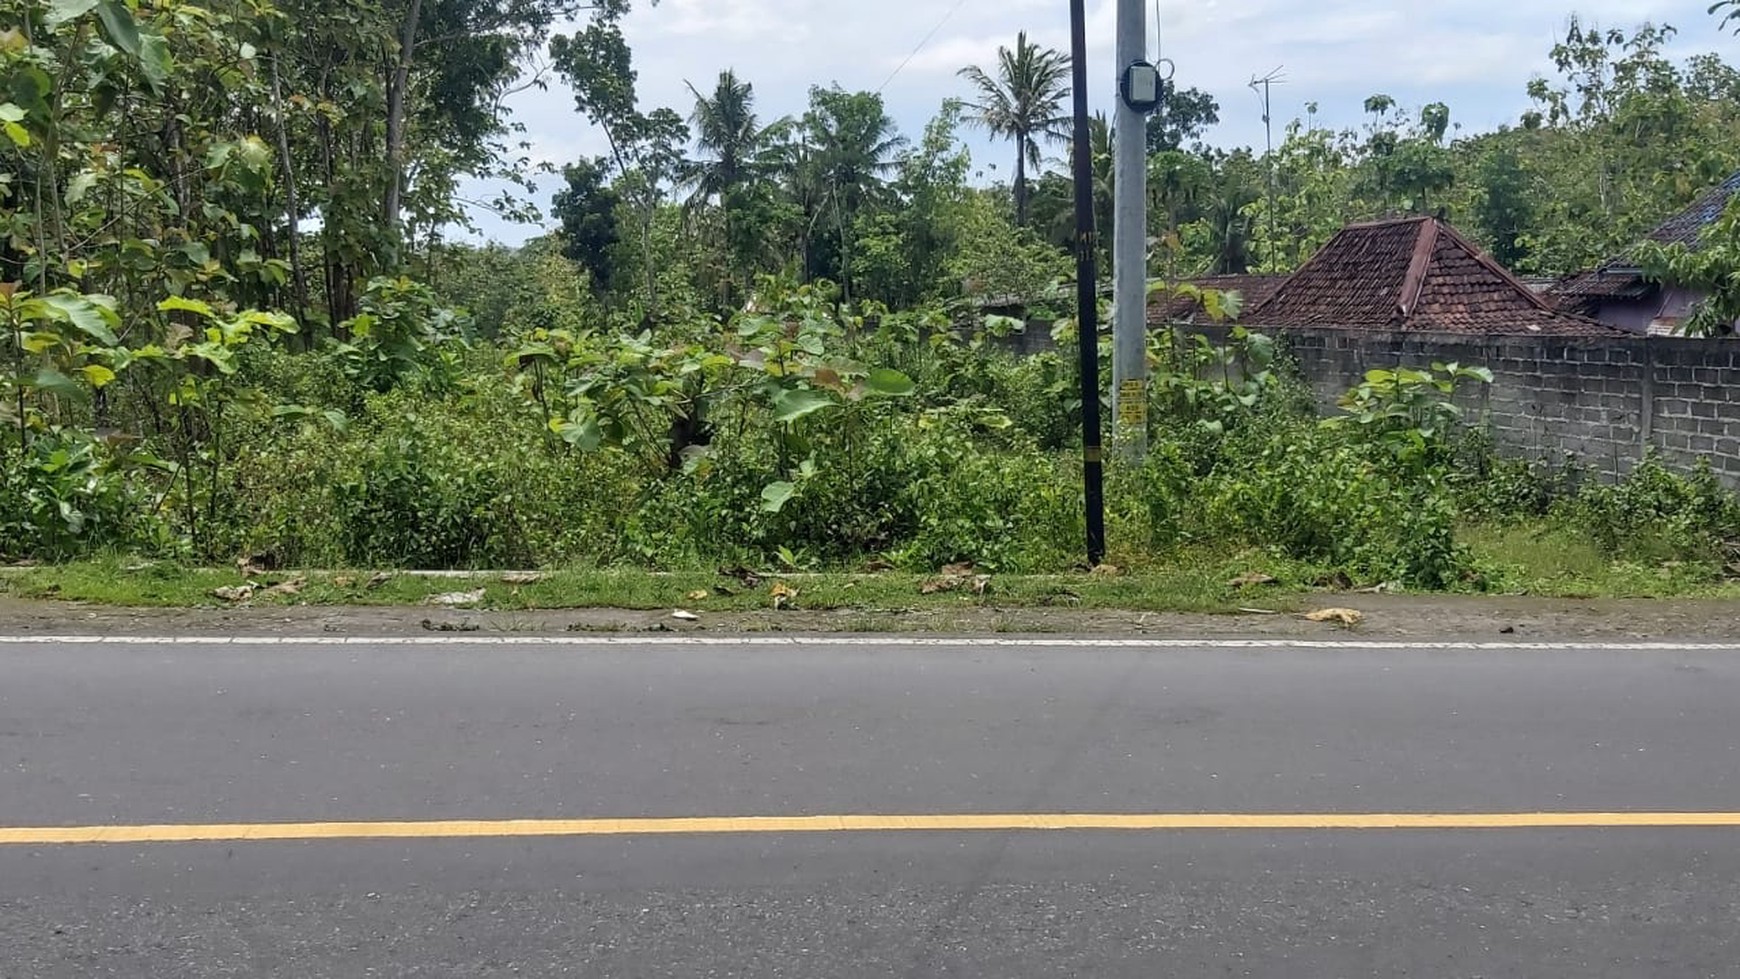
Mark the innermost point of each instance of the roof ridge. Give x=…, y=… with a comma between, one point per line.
x=1387, y=222
x=1414, y=282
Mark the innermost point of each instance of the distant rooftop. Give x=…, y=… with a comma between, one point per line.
x=1414, y=273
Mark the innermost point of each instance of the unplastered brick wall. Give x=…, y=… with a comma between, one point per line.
x=1598, y=403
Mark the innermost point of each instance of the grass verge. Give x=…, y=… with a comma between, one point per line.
x=1529, y=558
x=1202, y=584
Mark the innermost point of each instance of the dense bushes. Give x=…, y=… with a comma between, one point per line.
x=790, y=437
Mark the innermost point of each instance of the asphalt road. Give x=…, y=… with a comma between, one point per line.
x=119, y=735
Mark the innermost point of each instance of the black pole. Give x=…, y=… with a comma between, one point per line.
x=1087, y=294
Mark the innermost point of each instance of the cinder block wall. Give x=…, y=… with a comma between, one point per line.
x=1599, y=403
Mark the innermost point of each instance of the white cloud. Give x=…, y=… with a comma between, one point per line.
x=1475, y=55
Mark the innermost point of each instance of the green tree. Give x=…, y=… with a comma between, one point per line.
x=587, y=208
x=902, y=250
x=1022, y=102
x=1504, y=210
x=851, y=142
x=735, y=165
x=1185, y=114
x=647, y=147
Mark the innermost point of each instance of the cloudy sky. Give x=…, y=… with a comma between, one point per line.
x=1475, y=55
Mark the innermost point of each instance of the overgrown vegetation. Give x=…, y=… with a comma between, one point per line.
x=229, y=326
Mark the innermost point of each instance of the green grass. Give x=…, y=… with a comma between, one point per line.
x=1538, y=558
x=1533, y=558
x=1194, y=583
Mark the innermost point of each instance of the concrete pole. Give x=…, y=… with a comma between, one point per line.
x=1129, y=249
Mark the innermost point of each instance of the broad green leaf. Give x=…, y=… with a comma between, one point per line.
x=775, y=495
x=79, y=186
x=54, y=382
x=19, y=136
x=218, y=155
x=97, y=374
x=90, y=314
x=790, y=405
x=281, y=322
x=29, y=90
x=11, y=113
x=118, y=25
x=584, y=435
x=254, y=153
x=890, y=382
x=155, y=60
x=185, y=305
x=339, y=421
x=37, y=342
x=61, y=11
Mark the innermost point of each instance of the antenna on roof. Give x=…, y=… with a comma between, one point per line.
x=1261, y=85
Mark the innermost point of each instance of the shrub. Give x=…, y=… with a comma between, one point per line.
x=1655, y=514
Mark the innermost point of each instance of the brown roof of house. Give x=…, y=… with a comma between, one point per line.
x=1166, y=306
x=1413, y=274
x=1687, y=227
x=1620, y=278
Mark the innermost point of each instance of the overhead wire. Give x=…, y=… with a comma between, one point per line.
x=920, y=47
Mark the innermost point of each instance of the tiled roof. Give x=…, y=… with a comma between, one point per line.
x=1170, y=307
x=1413, y=274
x=1620, y=278
x=1686, y=228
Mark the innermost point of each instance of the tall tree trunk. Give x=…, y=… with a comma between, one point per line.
x=1021, y=181
x=396, y=117
x=292, y=206
x=845, y=252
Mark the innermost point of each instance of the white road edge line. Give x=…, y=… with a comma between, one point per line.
x=892, y=641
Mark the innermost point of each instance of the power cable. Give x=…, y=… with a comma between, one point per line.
x=927, y=38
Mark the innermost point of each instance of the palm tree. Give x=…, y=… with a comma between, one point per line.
x=727, y=129
x=1023, y=102
x=849, y=143
x=736, y=144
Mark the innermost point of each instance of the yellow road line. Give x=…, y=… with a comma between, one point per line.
x=967, y=822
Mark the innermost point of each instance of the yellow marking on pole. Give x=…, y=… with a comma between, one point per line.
x=940, y=823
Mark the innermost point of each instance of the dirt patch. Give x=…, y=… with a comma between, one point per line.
x=1399, y=617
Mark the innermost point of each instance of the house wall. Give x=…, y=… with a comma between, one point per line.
x=1597, y=402
x=1630, y=314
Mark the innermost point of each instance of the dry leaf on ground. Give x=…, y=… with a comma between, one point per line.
x=379, y=578
x=1345, y=616
x=1107, y=570
x=1251, y=578
x=234, y=593
x=877, y=564
x=699, y=594
x=749, y=578
x=521, y=578
x=978, y=584
x=453, y=598
x=685, y=615
x=782, y=594
x=343, y=581
x=291, y=587
x=1335, y=581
